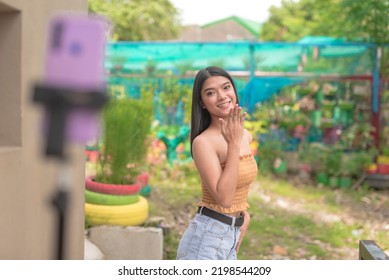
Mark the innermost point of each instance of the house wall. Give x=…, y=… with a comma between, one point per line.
x=28, y=221
x=225, y=31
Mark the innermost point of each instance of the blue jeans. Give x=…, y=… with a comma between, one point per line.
x=208, y=239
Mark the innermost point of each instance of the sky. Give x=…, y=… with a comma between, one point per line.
x=204, y=11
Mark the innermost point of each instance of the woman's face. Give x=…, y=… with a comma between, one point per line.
x=218, y=96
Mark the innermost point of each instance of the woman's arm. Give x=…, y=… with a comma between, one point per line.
x=221, y=182
x=243, y=229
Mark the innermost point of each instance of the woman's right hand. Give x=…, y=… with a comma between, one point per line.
x=232, y=127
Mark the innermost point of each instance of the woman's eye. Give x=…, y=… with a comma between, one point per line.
x=227, y=87
x=209, y=93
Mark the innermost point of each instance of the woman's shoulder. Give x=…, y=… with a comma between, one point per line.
x=207, y=143
x=201, y=140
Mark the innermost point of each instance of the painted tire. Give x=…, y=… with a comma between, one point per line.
x=143, y=179
x=111, y=188
x=109, y=199
x=122, y=215
x=145, y=191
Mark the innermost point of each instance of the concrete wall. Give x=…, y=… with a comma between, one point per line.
x=28, y=222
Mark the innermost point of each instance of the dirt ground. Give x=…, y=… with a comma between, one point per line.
x=372, y=211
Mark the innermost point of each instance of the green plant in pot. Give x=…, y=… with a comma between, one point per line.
x=119, y=169
x=358, y=136
x=126, y=125
x=349, y=168
x=270, y=157
x=317, y=156
x=333, y=165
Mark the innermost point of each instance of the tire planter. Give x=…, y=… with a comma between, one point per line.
x=122, y=215
x=145, y=191
x=110, y=199
x=116, y=189
x=143, y=179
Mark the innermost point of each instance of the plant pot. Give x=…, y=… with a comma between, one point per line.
x=322, y=178
x=121, y=215
x=292, y=162
x=345, y=182
x=336, y=114
x=145, y=191
x=109, y=199
x=372, y=169
x=346, y=105
x=383, y=168
x=315, y=117
x=383, y=159
x=279, y=166
x=92, y=185
x=293, y=144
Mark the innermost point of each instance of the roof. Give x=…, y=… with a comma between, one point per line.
x=252, y=26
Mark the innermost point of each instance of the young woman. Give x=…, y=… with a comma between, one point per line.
x=222, y=155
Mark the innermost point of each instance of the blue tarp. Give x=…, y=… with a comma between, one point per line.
x=259, y=89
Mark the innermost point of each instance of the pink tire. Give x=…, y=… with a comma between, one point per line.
x=94, y=186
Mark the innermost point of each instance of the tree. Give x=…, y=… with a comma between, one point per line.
x=355, y=20
x=139, y=20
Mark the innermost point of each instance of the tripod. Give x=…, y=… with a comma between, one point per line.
x=59, y=103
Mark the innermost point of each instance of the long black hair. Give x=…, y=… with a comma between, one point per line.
x=201, y=118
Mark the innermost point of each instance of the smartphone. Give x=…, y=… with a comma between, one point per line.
x=74, y=58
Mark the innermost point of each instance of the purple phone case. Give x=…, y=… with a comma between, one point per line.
x=75, y=59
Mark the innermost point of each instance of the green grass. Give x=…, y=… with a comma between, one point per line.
x=303, y=228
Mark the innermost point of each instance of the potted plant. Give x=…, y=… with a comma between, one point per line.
x=125, y=131
x=333, y=165
x=126, y=126
x=349, y=169
x=358, y=136
x=317, y=157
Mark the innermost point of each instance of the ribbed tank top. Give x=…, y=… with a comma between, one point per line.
x=246, y=175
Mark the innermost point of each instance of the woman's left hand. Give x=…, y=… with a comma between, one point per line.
x=243, y=229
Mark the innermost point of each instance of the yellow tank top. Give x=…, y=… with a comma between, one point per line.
x=247, y=173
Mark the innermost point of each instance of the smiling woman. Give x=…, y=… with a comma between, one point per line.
x=221, y=151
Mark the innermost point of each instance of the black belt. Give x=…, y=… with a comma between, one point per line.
x=237, y=222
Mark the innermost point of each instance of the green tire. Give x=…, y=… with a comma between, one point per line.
x=145, y=191
x=109, y=199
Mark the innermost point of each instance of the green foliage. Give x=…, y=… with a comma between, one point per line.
x=268, y=152
x=358, y=136
x=366, y=20
x=354, y=20
x=333, y=161
x=139, y=20
x=314, y=154
x=171, y=95
x=126, y=125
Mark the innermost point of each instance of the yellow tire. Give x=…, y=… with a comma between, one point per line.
x=122, y=215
